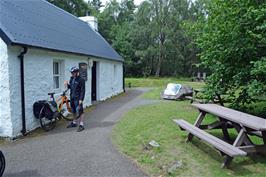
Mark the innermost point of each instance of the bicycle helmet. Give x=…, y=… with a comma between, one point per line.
x=74, y=69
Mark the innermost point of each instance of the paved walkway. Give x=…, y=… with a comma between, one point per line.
x=65, y=152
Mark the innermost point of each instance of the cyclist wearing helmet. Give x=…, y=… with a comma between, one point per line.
x=77, y=92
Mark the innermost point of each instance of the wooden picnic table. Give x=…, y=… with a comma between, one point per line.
x=245, y=124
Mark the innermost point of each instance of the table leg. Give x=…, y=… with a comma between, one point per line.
x=264, y=137
x=200, y=119
x=249, y=147
x=225, y=133
x=225, y=130
x=227, y=161
x=197, y=124
x=246, y=139
x=240, y=138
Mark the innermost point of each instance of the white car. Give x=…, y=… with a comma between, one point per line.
x=176, y=91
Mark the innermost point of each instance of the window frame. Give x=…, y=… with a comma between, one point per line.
x=58, y=75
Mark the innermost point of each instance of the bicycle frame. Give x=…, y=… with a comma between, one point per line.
x=61, y=101
x=48, y=122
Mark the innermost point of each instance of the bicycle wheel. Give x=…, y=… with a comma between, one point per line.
x=2, y=163
x=65, y=114
x=47, y=123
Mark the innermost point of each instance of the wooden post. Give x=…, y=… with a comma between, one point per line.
x=246, y=139
x=197, y=124
x=227, y=161
x=264, y=137
x=225, y=130
x=225, y=133
x=240, y=138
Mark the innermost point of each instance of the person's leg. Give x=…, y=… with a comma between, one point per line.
x=73, y=107
x=74, y=121
x=81, y=119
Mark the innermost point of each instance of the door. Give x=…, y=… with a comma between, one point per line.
x=94, y=82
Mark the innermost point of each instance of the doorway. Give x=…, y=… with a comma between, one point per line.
x=94, y=82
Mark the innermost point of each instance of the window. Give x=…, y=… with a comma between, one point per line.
x=56, y=74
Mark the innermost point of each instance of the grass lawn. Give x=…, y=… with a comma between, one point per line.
x=154, y=122
x=158, y=84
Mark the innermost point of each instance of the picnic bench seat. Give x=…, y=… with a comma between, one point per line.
x=221, y=145
x=226, y=118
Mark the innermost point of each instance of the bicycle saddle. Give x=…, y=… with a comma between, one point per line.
x=52, y=93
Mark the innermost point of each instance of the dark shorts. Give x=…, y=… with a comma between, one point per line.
x=74, y=106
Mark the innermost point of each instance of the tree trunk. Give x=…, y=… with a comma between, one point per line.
x=158, y=69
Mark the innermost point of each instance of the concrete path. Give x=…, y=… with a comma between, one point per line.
x=65, y=152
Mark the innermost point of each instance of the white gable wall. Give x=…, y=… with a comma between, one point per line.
x=38, y=81
x=5, y=109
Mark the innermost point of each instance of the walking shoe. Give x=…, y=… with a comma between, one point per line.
x=71, y=125
x=81, y=128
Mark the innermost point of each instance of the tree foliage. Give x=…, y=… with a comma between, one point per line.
x=232, y=41
x=75, y=7
x=96, y=4
x=154, y=32
x=151, y=38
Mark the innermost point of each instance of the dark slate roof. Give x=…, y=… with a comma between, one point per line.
x=40, y=24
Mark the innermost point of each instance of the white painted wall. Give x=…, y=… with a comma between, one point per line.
x=110, y=79
x=5, y=109
x=38, y=78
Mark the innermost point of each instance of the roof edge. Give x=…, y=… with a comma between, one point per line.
x=62, y=51
x=5, y=38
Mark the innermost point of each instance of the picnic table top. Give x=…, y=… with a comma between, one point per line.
x=247, y=120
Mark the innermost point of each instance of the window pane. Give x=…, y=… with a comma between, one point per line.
x=56, y=68
x=56, y=82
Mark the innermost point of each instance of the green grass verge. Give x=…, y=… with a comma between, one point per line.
x=154, y=122
x=158, y=85
x=160, y=82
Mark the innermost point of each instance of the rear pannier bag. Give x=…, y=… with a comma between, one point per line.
x=48, y=109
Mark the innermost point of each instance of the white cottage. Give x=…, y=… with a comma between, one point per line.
x=39, y=42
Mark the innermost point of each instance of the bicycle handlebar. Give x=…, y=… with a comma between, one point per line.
x=64, y=92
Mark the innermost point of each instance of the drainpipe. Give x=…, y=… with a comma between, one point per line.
x=21, y=57
x=124, y=78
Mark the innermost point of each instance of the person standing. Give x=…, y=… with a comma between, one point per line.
x=76, y=85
